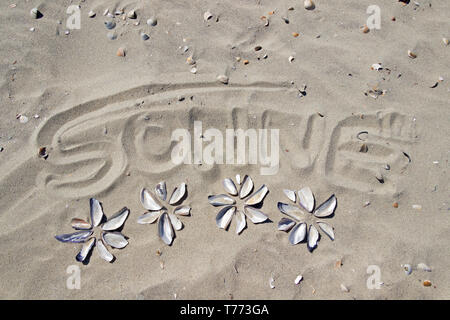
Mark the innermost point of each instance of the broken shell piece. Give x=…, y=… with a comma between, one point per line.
x=152, y=21
x=309, y=5
x=411, y=54
x=23, y=119
x=298, y=279
x=35, y=13
x=417, y=206
x=91, y=14
x=222, y=78
x=365, y=29
x=43, y=153
x=285, y=19
x=190, y=60
x=364, y=148
x=272, y=283
x=207, y=15
x=131, y=14
x=144, y=36
x=376, y=66
x=295, y=34
x=291, y=58
x=407, y=268
x=445, y=41
x=193, y=70
x=423, y=267
x=121, y=52
x=427, y=283
x=344, y=288
x=110, y=25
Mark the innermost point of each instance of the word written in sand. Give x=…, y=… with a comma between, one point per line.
x=215, y=152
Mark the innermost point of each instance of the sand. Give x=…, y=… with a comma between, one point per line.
x=107, y=121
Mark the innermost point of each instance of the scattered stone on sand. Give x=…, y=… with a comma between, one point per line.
x=111, y=35
x=194, y=70
x=291, y=59
x=427, y=283
x=257, y=48
x=395, y=205
x=245, y=62
x=417, y=207
x=42, y=153
x=190, y=60
x=222, y=78
x=295, y=34
x=445, y=41
x=22, y=119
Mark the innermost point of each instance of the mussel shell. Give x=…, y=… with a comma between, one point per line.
x=224, y=216
x=290, y=194
x=103, y=251
x=149, y=202
x=87, y=246
x=76, y=237
x=306, y=199
x=96, y=212
x=313, y=238
x=176, y=223
x=230, y=187
x=165, y=229
x=290, y=210
x=240, y=221
x=150, y=217
x=258, y=196
x=117, y=220
x=327, y=229
x=285, y=224
x=115, y=239
x=246, y=188
x=161, y=190
x=298, y=233
x=178, y=194
x=255, y=215
x=80, y=224
x=221, y=200
x=327, y=208
x=183, y=210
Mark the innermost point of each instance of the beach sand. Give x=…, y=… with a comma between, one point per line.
x=106, y=122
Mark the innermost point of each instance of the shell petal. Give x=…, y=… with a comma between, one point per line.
x=298, y=233
x=183, y=210
x=96, y=212
x=313, y=238
x=80, y=224
x=246, y=188
x=116, y=221
x=255, y=215
x=149, y=202
x=285, y=224
x=327, y=229
x=103, y=251
x=178, y=194
x=290, y=194
x=165, y=229
x=87, y=247
x=161, y=190
x=224, y=217
x=258, y=196
x=115, y=239
x=230, y=187
x=306, y=199
x=240, y=221
x=327, y=208
x=290, y=210
x=149, y=217
x=176, y=223
x=221, y=200
x=75, y=237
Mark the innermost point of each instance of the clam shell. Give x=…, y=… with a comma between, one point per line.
x=117, y=220
x=306, y=199
x=258, y=196
x=149, y=217
x=407, y=268
x=35, y=13
x=240, y=221
x=255, y=215
x=289, y=210
x=161, y=190
x=165, y=229
x=221, y=200
x=230, y=187
x=152, y=21
x=91, y=14
x=149, y=202
x=115, y=239
x=411, y=54
x=176, y=223
x=327, y=229
x=144, y=36
x=246, y=188
x=76, y=237
x=96, y=212
x=222, y=78
x=178, y=194
x=445, y=41
x=110, y=25
x=103, y=251
x=207, y=15
x=327, y=208
x=183, y=210
x=224, y=217
x=285, y=224
x=80, y=224
x=131, y=14
x=290, y=194
x=298, y=233
x=313, y=238
x=87, y=246
x=309, y=5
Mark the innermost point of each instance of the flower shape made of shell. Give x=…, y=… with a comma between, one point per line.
x=167, y=221
x=109, y=236
x=225, y=215
x=300, y=232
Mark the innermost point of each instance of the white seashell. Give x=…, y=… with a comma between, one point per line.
x=255, y=215
x=289, y=210
x=258, y=196
x=111, y=35
x=246, y=188
x=23, y=119
x=178, y=194
x=224, y=217
x=238, y=179
x=285, y=224
x=152, y=21
x=76, y=237
x=131, y=14
x=407, y=268
x=148, y=201
x=165, y=229
x=230, y=187
x=422, y=266
x=117, y=220
x=445, y=41
x=298, y=279
x=291, y=59
x=183, y=210
x=96, y=212
x=144, y=36
x=114, y=239
x=298, y=233
x=306, y=199
x=376, y=66
x=222, y=78
x=327, y=229
x=103, y=251
x=327, y=208
x=176, y=223
x=161, y=190
x=411, y=54
x=221, y=200
x=35, y=13
x=91, y=14
x=194, y=70
x=272, y=283
x=87, y=246
x=110, y=25
x=149, y=217
x=207, y=15
x=313, y=238
x=105, y=12
x=344, y=288
x=240, y=221
x=290, y=194
x=80, y=224
x=309, y=4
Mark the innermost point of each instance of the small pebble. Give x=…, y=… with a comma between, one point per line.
x=246, y=62
x=298, y=279
x=417, y=207
x=295, y=34
x=207, y=15
x=395, y=204
x=32, y=29
x=121, y=52
x=194, y=70
x=35, y=13
x=144, y=36
x=309, y=5
x=427, y=283
x=110, y=25
x=23, y=119
x=152, y=22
